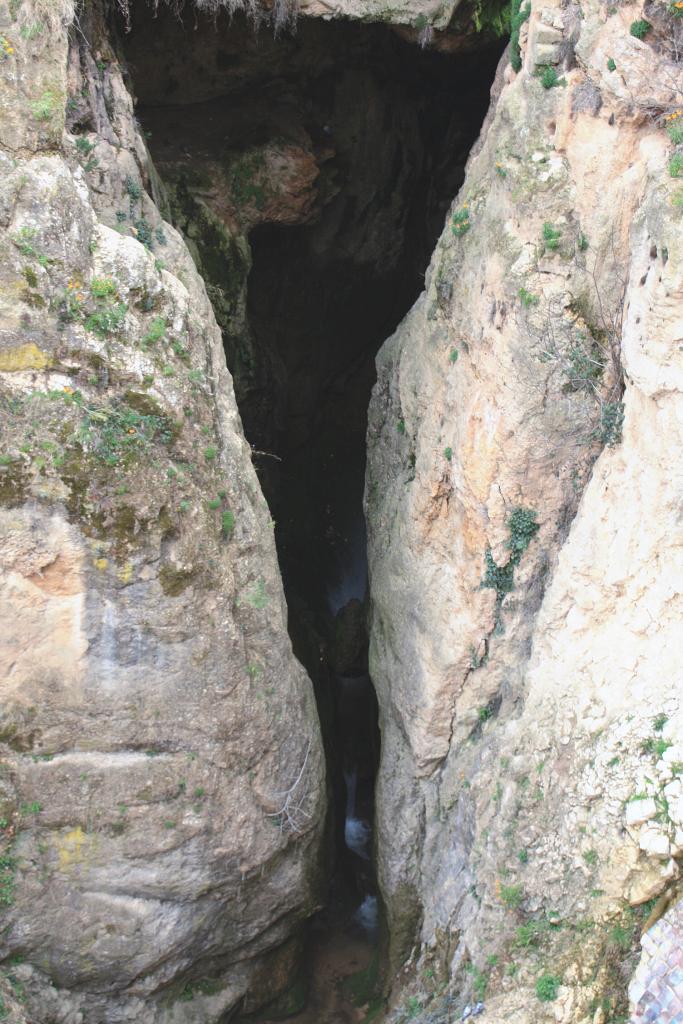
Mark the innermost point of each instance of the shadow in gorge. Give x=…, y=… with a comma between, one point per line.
x=311, y=175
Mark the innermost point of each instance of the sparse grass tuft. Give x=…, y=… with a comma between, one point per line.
x=640, y=28
x=511, y=895
x=547, y=987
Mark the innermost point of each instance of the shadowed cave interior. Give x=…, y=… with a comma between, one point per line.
x=311, y=175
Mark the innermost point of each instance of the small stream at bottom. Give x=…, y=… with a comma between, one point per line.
x=342, y=953
x=341, y=962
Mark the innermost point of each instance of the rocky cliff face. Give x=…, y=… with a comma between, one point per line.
x=162, y=786
x=162, y=792
x=524, y=539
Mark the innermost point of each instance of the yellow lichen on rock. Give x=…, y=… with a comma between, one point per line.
x=24, y=357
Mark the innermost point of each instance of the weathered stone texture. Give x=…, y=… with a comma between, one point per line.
x=153, y=715
x=522, y=710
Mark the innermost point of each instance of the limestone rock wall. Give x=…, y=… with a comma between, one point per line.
x=163, y=783
x=525, y=543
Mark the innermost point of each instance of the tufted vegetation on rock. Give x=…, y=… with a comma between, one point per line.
x=522, y=528
x=519, y=13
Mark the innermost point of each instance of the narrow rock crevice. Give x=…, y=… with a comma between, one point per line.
x=311, y=175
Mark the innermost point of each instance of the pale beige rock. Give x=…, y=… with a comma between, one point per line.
x=638, y=811
x=536, y=736
x=163, y=787
x=654, y=842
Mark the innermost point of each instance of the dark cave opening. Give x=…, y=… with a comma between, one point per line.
x=311, y=175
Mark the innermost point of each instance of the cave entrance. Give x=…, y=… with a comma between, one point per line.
x=311, y=174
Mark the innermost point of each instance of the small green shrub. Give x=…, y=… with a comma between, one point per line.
x=547, y=987
x=655, y=745
x=453, y=355
x=523, y=527
x=640, y=28
x=143, y=232
x=214, y=503
x=611, y=66
x=227, y=523
x=448, y=454
x=523, y=856
x=518, y=15
x=413, y=1007
x=480, y=980
x=675, y=132
x=549, y=77
x=107, y=321
x=32, y=808
x=8, y=866
x=676, y=165
x=551, y=237
x=511, y=895
x=528, y=298
x=611, y=423
x=180, y=351
x=210, y=453
x=583, y=242
x=460, y=221
x=133, y=189
x=659, y=721
x=621, y=937
x=102, y=287
x=24, y=242
x=498, y=577
x=46, y=107
x=118, y=433
x=84, y=146
x=590, y=857
x=32, y=31
x=480, y=984
x=155, y=332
